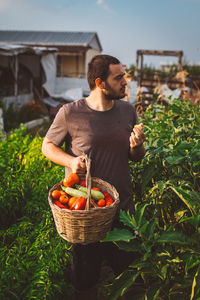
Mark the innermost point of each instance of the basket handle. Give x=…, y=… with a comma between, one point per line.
x=88, y=183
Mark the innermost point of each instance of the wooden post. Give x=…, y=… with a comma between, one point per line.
x=16, y=75
x=77, y=65
x=180, y=62
x=136, y=67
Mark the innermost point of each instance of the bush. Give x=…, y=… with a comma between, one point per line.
x=165, y=229
x=33, y=258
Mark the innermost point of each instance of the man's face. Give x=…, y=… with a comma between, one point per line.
x=115, y=84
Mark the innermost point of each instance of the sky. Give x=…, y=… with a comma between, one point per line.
x=123, y=26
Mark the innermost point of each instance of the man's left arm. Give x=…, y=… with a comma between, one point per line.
x=137, y=138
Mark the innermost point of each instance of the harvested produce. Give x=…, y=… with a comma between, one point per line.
x=101, y=203
x=79, y=204
x=74, y=192
x=72, y=179
x=94, y=193
x=56, y=194
x=63, y=199
x=73, y=196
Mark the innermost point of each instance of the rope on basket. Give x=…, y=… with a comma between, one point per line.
x=88, y=183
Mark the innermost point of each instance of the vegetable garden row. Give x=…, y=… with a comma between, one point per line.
x=34, y=259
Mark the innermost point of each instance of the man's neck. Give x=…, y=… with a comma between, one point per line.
x=97, y=101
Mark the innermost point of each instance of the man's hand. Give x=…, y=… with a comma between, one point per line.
x=78, y=165
x=58, y=156
x=137, y=137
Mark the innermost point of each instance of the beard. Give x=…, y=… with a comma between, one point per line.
x=111, y=94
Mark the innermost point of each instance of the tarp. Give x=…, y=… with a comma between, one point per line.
x=68, y=89
x=14, y=49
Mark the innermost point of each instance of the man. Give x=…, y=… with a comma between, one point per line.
x=101, y=126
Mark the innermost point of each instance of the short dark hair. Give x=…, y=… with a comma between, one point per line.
x=99, y=68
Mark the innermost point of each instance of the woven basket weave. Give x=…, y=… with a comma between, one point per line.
x=85, y=226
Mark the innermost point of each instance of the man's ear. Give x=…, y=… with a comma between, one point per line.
x=99, y=83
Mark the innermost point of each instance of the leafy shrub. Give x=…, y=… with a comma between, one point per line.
x=33, y=258
x=167, y=204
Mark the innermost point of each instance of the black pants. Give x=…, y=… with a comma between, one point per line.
x=87, y=259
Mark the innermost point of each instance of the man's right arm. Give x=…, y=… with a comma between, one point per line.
x=60, y=157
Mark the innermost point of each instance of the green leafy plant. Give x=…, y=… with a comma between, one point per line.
x=164, y=230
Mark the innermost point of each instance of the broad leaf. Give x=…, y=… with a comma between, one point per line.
x=147, y=176
x=139, y=213
x=194, y=220
x=118, y=234
x=185, y=197
x=148, y=228
x=174, y=160
x=174, y=238
x=122, y=283
x=128, y=220
x=131, y=246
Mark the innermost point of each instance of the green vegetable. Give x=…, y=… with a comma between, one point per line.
x=74, y=192
x=95, y=194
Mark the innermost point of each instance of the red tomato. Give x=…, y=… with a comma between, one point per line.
x=63, y=199
x=108, y=198
x=101, y=203
x=96, y=189
x=55, y=194
x=62, y=193
x=71, y=201
x=83, y=182
x=56, y=202
x=72, y=179
x=79, y=204
x=109, y=202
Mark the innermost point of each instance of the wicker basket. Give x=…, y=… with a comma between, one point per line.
x=85, y=226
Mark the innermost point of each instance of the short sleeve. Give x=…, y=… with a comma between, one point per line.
x=59, y=129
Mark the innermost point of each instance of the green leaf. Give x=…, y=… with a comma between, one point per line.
x=139, y=213
x=128, y=220
x=174, y=238
x=147, y=176
x=196, y=285
x=185, y=197
x=118, y=234
x=174, y=160
x=122, y=283
x=194, y=220
x=192, y=262
x=153, y=291
x=131, y=246
x=148, y=228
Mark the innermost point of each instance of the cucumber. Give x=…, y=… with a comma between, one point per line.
x=95, y=194
x=74, y=192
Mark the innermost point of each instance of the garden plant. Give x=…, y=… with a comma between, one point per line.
x=164, y=230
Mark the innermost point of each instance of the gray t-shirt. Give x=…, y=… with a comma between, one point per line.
x=102, y=134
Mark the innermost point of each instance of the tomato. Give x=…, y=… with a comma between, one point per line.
x=79, y=204
x=83, y=182
x=96, y=189
x=71, y=201
x=109, y=202
x=56, y=202
x=72, y=179
x=63, y=199
x=101, y=203
x=108, y=198
x=63, y=193
x=55, y=194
